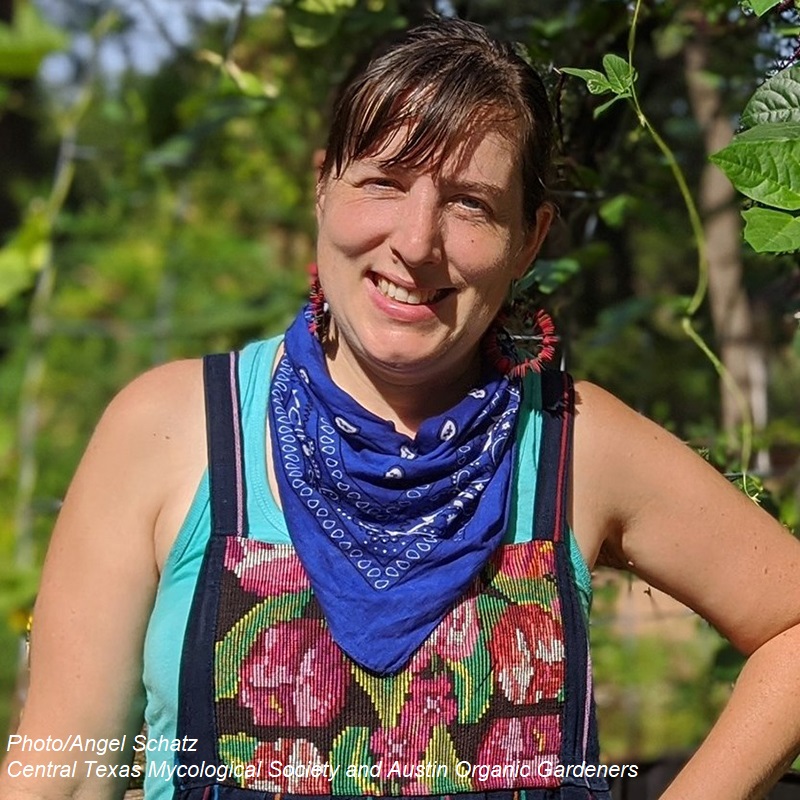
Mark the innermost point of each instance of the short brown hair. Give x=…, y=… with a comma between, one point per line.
x=442, y=78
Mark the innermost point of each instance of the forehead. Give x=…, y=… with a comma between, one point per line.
x=488, y=150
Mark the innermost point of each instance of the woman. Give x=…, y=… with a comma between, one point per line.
x=376, y=591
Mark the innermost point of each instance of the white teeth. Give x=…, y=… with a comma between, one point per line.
x=414, y=297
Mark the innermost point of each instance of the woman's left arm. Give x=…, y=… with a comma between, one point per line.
x=654, y=505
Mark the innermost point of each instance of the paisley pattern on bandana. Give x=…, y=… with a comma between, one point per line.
x=487, y=687
x=372, y=511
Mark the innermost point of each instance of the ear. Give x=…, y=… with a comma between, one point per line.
x=318, y=159
x=534, y=238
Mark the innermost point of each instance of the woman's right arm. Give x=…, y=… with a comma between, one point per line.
x=98, y=587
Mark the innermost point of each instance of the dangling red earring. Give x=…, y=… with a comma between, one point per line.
x=513, y=353
x=318, y=324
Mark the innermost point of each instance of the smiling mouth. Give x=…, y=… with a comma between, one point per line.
x=411, y=297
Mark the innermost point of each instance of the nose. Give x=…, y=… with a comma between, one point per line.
x=417, y=238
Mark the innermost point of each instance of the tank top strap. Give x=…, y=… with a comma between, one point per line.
x=552, y=483
x=225, y=445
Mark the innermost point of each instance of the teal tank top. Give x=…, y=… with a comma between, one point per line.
x=164, y=637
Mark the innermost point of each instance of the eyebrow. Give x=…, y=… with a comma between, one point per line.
x=474, y=187
x=454, y=184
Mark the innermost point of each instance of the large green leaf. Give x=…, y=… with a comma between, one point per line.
x=768, y=230
x=26, y=42
x=764, y=164
x=777, y=100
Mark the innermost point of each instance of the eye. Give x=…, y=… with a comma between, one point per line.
x=472, y=204
x=382, y=182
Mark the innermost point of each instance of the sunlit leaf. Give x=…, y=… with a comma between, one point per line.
x=764, y=164
x=777, y=100
x=596, y=82
x=26, y=42
x=768, y=230
x=620, y=75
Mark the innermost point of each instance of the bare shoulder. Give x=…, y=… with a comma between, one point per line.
x=162, y=402
x=158, y=423
x=660, y=509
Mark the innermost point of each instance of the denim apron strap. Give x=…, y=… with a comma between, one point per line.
x=225, y=449
x=228, y=518
x=580, y=744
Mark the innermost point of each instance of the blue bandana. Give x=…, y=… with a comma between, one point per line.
x=391, y=530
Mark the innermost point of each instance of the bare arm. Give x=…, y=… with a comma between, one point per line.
x=660, y=509
x=98, y=587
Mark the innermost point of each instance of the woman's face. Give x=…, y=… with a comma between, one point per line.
x=415, y=263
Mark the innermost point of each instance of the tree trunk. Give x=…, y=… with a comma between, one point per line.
x=740, y=349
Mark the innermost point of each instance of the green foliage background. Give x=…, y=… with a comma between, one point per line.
x=156, y=217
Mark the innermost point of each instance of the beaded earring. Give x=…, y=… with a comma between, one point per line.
x=522, y=338
x=318, y=324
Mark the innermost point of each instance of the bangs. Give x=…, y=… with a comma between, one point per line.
x=437, y=116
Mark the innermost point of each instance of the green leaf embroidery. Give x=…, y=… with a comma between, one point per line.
x=237, y=750
x=351, y=748
x=473, y=683
x=441, y=750
x=239, y=640
x=388, y=693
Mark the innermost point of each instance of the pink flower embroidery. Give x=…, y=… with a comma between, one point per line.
x=455, y=637
x=528, y=654
x=523, y=741
x=532, y=560
x=405, y=743
x=430, y=702
x=288, y=752
x=263, y=569
x=294, y=674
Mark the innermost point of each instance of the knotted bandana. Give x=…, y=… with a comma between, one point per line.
x=390, y=529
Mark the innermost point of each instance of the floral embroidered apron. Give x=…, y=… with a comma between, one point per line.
x=495, y=704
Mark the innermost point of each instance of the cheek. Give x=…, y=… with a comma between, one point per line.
x=485, y=263
x=349, y=229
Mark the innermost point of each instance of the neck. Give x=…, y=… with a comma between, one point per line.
x=405, y=397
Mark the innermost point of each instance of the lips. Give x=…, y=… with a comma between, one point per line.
x=411, y=297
